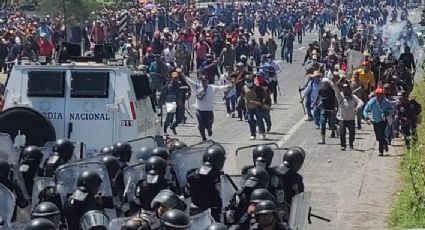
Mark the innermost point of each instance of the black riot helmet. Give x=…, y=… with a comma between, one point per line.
x=175, y=219
x=89, y=181
x=155, y=168
x=4, y=169
x=176, y=145
x=294, y=158
x=169, y=199
x=213, y=160
x=160, y=152
x=64, y=148
x=109, y=150
x=112, y=165
x=144, y=153
x=262, y=155
x=47, y=210
x=40, y=224
x=135, y=224
x=265, y=206
x=216, y=226
x=32, y=153
x=122, y=150
x=256, y=177
x=261, y=194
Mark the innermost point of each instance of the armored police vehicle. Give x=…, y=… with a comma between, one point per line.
x=96, y=104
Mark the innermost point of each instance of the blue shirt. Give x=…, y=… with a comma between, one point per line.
x=378, y=110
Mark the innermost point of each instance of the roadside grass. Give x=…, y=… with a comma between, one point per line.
x=409, y=204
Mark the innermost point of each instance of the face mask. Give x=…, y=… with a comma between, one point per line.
x=249, y=84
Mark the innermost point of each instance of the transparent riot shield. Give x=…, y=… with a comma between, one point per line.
x=227, y=190
x=66, y=180
x=8, y=202
x=300, y=210
x=132, y=175
x=7, y=151
x=15, y=226
x=40, y=183
x=201, y=220
x=136, y=144
x=117, y=223
x=47, y=150
x=189, y=158
x=185, y=160
x=244, y=156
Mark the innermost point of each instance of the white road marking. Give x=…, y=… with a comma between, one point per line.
x=291, y=132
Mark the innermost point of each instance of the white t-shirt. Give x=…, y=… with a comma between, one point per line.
x=168, y=55
x=207, y=102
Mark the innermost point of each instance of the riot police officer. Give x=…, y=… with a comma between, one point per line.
x=143, y=154
x=262, y=156
x=266, y=217
x=40, y=224
x=176, y=145
x=155, y=181
x=203, y=184
x=135, y=224
x=62, y=153
x=216, y=226
x=122, y=150
x=49, y=211
x=293, y=160
x=30, y=166
x=256, y=177
x=7, y=180
x=84, y=199
x=174, y=219
x=164, y=201
x=108, y=150
x=115, y=174
x=160, y=152
x=248, y=218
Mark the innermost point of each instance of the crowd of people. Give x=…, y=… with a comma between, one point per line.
x=352, y=77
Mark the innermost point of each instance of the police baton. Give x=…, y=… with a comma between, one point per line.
x=316, y=216
x=187, y=111
x=302, y=99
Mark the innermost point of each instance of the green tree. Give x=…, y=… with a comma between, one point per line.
x=79, y=9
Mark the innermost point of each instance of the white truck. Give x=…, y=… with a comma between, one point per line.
x=96, y=104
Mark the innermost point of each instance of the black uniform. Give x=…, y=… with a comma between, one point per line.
x=294, y=184
x=204, y=191
x=146, y=192
x=75, y=208
x=276, y=186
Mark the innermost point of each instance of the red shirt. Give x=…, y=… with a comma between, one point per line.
x=46, y=48
x=298, y=27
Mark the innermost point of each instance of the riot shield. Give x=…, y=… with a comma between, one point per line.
x=132, y=175
x=201, y=220
x=66, y=180
x=47, y=150
x=40, y=183
x=244, y=155
x=185, y=160
x=148, y=142
x=227, y=190
x=300, y=209
x=117, y=223
x=7, y=151
x=189, y=158
x=16, y=226
x=8, y=202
